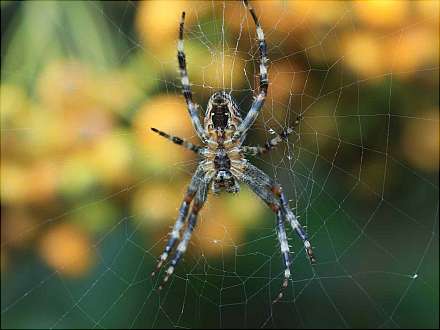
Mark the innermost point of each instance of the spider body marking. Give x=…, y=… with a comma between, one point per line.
x=223, y=164
x=223, y=154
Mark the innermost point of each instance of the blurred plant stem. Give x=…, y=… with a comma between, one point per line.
x=43, y=31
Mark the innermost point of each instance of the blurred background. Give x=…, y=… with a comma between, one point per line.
x=88, y=192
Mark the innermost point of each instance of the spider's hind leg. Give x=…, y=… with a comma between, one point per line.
x=199, y=200
x=293, y=220
x=193, y=187
x=271, y=193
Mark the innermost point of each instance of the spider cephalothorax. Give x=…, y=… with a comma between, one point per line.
x=223, y=163
x=222, y=112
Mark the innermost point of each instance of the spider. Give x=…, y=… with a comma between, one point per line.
x=223, y=164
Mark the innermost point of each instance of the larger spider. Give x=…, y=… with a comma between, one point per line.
x=223, y=164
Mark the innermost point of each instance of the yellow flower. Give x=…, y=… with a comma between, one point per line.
x=420, y=141
x=412, y=49
x=317, y=11
x=363, y=54
x=66, y=85
x=382, y=13
x=117, y=90
x=225, y=219
x=286, y=78
x=13, y=183
x=217, y=233
x=157, y=22
x=13, y=100
x=44, y=175
x=222, y=223
x=76, y=173
x=67, y=249
x=429, y=11
x=169, y=114
x=156, y=205
x=111, y=157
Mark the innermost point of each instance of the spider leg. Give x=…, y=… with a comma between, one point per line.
x=264, y=81
x=272, y=143
x=193, y=187
x=269, y=145
x=186, y=88
x=271, y=193
x=178, y=140
x=199, y=200
x=294, y=223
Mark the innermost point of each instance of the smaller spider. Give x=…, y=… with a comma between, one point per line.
x=223, y=164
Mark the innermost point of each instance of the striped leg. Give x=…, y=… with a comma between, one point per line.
x=296, y=226
x=186, y=88
x=272, y=143
x=272, y=194
x=196, y=181
x=293, y=220
x=178, y=140
x=285, y=252
x=261, y=184
x=269, y=145
x=264, y=81
x=183, y=245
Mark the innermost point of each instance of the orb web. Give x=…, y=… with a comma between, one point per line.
x=348, y=170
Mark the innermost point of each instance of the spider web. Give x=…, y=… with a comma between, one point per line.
x=372, y=216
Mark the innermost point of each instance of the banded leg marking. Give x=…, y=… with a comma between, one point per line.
x=269, y=145
x=258, y=103
x=194, y=186
x=186, y=87
x=175, y=233
x=285, y=253
x=272, y=143
x=177, y=140
x=183, y=245
x=199, y=200
x=271, y=193
x=294, y=223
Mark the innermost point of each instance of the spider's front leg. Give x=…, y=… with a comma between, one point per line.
x=186, y=87
x=272, y=194
x=257, y=105
x=179, y=141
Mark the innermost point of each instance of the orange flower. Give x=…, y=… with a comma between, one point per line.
x=43, y=177
x=66, y=85
x=382, y=13
x=420, y=141
x=157, y=22
x=169, y=114
x=13, y=183
x=13, y=100
x=286, y=79
x=67, y=249
x=156, y=204
x=363, y=54
x=111, y=157
x=317, y=11
x=412, y=49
